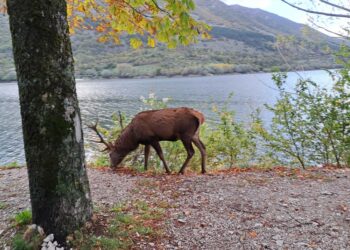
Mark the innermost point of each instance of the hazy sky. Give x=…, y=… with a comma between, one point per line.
x=282, y=9
x=274, y=6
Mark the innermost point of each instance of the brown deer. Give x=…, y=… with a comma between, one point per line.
x=150, y=127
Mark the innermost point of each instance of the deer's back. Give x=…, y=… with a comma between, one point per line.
x=166, y=124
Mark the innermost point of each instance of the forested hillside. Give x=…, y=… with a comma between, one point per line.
x=244, y=40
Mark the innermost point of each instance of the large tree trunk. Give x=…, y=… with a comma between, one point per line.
x=53, y=138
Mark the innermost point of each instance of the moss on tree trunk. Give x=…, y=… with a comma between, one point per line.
x=53, y=138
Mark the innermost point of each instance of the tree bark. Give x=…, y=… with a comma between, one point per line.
x=53, y=138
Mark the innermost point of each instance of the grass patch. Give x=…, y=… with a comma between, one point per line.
x=2, y=205
x=11, y=165
x=23, y=218
x=101, y=161
x=19, y=243
x=122, y=227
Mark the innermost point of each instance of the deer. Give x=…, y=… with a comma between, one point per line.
x=150, y=127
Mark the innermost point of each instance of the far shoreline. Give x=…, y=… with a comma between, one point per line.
x=79, y=78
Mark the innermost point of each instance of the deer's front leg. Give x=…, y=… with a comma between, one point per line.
x=159, y=151
x=147, y=149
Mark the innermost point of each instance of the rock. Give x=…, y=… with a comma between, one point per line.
x=276, y=237
x=326, y=193
x=279, y=243
x=51, y=246
x=302, y=244
x=258, y=225
x=49, y=238
x=183, y=221
x=40, y=231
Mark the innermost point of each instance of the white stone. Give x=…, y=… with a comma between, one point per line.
x=51, y=246
x=41, y=231
x=50, y=237
x=279, y=243
x=182, y=221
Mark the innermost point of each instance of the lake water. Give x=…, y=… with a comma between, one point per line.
x=104, y=97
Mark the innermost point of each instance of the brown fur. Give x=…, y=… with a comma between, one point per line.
x=150, y=127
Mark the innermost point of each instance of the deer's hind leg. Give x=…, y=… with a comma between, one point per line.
x=159, y=151
x=147, y=149
x=190, y=152
x=200, y=145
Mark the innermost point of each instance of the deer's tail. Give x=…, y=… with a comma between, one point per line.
x=199, y=116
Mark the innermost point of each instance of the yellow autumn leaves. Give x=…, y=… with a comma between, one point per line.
x=144, y=22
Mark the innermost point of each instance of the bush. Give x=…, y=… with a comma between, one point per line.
x=310, y=124
x=23, y=218
x=107, y=73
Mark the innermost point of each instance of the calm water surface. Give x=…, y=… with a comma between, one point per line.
x=104, y=97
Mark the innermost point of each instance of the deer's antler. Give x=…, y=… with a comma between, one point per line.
x=107, y=144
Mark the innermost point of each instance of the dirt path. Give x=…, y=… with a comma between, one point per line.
x=250, y=210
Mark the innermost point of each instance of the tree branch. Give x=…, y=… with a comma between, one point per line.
x=316, y=12
x=329, y=31
x=335, y=5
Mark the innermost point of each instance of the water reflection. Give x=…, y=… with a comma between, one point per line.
x=102, y=98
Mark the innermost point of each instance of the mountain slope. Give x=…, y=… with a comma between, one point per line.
x=244, y=40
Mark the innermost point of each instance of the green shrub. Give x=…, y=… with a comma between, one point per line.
x=23, y=218
x=310, y=124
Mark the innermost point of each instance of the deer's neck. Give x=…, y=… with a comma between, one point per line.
x=127, y=141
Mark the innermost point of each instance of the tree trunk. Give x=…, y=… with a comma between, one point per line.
x=53, y=138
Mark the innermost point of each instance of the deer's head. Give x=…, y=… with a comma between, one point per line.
x=115, y=154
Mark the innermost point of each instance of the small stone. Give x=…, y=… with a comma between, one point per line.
x=49, y=238
x=302, y=244
x=41, y=231
x=183, y=221
x=276, y=237
x=51, y=246
x=187, y=212
x=279, y=243
x=326, y=193
x=151, y=244
x=258, y=225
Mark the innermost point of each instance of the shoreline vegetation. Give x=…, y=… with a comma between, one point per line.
x=80, y=78
x=309, y=128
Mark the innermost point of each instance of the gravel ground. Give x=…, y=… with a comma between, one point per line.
x=250, y=210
